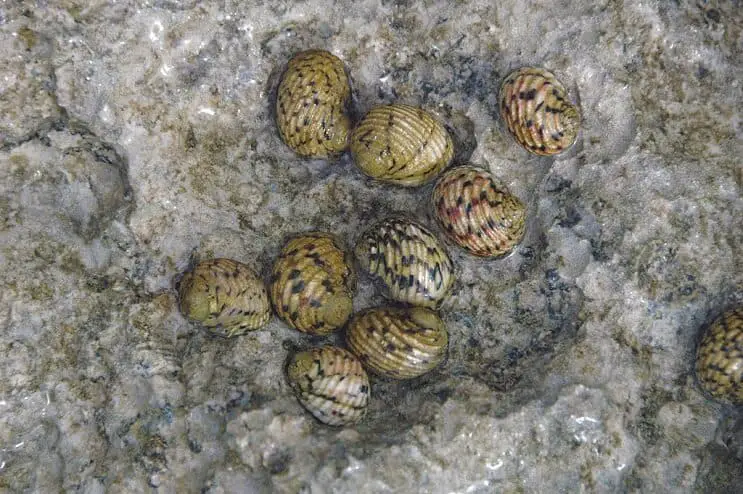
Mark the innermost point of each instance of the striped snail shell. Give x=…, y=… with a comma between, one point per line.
x=330, y=383
x=408, y=259
x=400, y=343
x=312, y=104
x=478, y=212
x=225, y=296
x=535, y=107
x=312, y=284
x=401, y=144
x=719, y=363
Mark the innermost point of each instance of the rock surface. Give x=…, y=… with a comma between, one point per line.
x=136, y=137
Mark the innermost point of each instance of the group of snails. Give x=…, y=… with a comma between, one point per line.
x=313, y=280
x=311, y=289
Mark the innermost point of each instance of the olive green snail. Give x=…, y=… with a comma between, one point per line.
x=400, y=343
x=312, y=284
x=719, y=362
x=401, y=145
x=226, y=297
x=312, y=104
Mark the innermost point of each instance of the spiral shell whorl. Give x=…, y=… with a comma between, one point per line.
x=719, y=363
x=408, y=259
x=535, y=107
x=400, y=343
x=401, y=144
x=330, y=383
x=225, y=296
x=478, y=212
x=312, y=105
x=312, y=284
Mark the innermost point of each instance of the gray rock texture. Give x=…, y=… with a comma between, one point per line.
x=137, y=136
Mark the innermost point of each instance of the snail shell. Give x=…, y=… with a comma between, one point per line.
x=312, y=284
x=330, y=383
x=312, y=104
x=225, y=296
x=401, y=343
x=478, y=212
x=408, y=259
x=401, y=144
x=719, y=364
x=535, y=107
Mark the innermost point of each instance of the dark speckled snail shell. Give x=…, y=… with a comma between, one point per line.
x=225, y=296
x=535, y=107
x=330, y=383
x=312, y=284
x=478, y=212
x=312, y=104
x=719, y=364
x=401, y=145
x=408, y=259
x=401, y=343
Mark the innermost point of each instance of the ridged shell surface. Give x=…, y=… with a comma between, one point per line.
x=401, y=343
x=408, y=259
x=478, y=212
x=719, y=364
x=401, y=144
x=312, y=284
x=312, y=104
x=225, y=296
x=330, y=383
x=535, y=107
